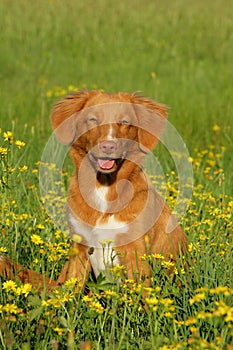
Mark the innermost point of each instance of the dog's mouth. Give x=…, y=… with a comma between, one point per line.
x=105, y=164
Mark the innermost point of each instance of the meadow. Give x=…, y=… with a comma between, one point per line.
x=179, y=53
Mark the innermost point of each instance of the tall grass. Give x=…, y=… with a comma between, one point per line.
x=177, y=52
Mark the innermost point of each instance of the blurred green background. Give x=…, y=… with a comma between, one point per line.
x=178, y=52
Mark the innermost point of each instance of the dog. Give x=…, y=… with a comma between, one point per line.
x=114, y=214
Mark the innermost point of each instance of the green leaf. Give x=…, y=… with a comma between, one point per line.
x=34, y=300
x=36, y=313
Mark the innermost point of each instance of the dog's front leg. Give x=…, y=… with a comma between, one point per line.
x=78, y=265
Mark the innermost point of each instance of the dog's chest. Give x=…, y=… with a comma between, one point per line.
x=100, y=198
x=101, y=236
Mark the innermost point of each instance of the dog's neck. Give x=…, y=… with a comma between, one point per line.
x=129, y=170
x=106, y=179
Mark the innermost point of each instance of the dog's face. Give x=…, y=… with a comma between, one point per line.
x=108, y=133
x=108, y=127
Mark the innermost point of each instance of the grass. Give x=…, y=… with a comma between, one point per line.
x=177, y=52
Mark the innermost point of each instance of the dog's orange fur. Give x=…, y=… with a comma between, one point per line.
x=68, y=118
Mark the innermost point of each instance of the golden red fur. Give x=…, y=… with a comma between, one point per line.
x=110, y=196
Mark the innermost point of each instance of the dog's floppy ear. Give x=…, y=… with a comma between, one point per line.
x=64, y=114
x=151, y=121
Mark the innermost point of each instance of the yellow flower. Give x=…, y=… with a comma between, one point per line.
x=166, y=301
x=72, y=88
x=168, y=264
x=106, y=242
x=26, y=289
x=109, y=293
x=204, y=315
x=197, y=298
x=179, y=323
x=40, y=226
x=58, y=234
x=35, y=171
x=97, y=307
x=66, y=297
x=216, y=128
x=211, y=162
x=87, y=298
x=117, y=269
x=152, y=301
x=223, y=310
x=3, y=151
x=58, y=330
x=8, y=136
x=49, y=93
x=182, y=271
x=153, y=75
x=229, y=316
x=23, y=168
x=36, y=239
x=11, y=308
x=45, y=303
x=157, y=256
x=190, y=320
x=19, y=144
x=221, y=289
x=3, y=250
x=71, y=282
x=193, y=329
x=7, y=222
x=9, y=285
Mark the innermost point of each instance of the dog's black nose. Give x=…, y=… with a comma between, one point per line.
x=108, y=147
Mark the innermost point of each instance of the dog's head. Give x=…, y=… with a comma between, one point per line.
x=108, y=127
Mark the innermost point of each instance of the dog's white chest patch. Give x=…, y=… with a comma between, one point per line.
x=104, y=235
x=100, y=198
x=101, y=237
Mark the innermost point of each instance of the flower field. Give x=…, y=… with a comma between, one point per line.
x=176, y=52
x=197, y=314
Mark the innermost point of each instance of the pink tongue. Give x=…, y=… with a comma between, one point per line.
x=106, y=163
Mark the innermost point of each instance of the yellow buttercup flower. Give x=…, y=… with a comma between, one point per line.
x=9, y=286
x=72, y=282
x=23, y=168
x=3, y=250
x=36, y=239
x=168, y=264
x=197, y=298
x=11, y=308
x=40, y=226
x=26, y=289
x=3, y=151
x=8, y=136
x=20, y=144
x=97, y=307
x=216, y=128
x=58, y=330
x=152, y=301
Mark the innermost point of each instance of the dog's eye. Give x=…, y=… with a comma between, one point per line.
x=93, y=120
x=124, y=122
